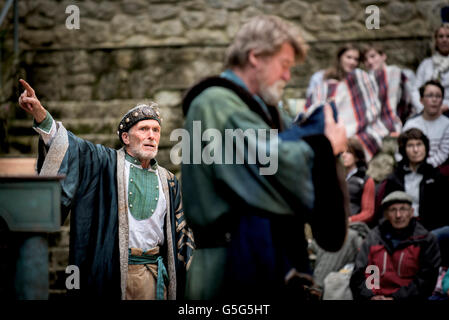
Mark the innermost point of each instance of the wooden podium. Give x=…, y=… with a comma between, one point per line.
x=29, y=210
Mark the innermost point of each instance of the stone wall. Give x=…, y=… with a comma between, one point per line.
x=8, y=71
x=128, y=51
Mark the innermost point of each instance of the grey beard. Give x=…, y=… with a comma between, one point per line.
x=272, y=94
x=141, y=156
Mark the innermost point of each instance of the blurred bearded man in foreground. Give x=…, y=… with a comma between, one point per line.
x=249, y=221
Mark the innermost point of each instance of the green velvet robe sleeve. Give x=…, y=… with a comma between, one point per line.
x=291, y=181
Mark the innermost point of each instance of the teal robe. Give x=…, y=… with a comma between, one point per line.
x=93, y=191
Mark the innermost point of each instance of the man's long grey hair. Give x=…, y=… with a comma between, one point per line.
x=265, y=35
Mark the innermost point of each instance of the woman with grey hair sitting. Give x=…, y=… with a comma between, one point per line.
x=437, y=66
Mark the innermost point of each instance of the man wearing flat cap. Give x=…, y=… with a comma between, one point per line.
x=399, y=259
x=128, y=236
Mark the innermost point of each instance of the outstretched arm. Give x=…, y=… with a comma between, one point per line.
x=30, y=103
x=43, y=121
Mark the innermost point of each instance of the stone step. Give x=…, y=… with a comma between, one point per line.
x=169, y=102
x=113, y=111
x=101, y=131
x=27, y=146
x=101, y=118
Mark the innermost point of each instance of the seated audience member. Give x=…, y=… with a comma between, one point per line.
x=427, y=187
x=434, y=125
x=360, y=186
x=355, y=97
x=437, y=66
x=395, y=87
x=446, y=284
x=403, y=255
x=438, y=293
x=361, y=191
x=327, y=262
x=425, y=184
x=347, y=60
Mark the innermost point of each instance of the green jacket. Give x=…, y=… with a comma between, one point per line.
x=218, y=197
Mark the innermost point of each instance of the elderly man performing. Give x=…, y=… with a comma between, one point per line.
x=128, y=236
x=249, y=226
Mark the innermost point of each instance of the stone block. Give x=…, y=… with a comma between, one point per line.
x=107, y=86
x=168, y=98
x=121, y=28
x=82, y=92
x=142, y=82
x=47, y=8
x=105, y=10
x=91, y=126
x=430, y=11
x=250, y=12
x=327, y=7
x=65, y=38
x=294, y=9
x=399, y=12
x=124, y=58
x=168, y=28
x=216, y=4
x=142, y=24
x=207, y=36
x=194, y=5
x=38, y=38
x=234, y=24
x=37, y=21
x=216, y=18
x=237, y=4
x=193, y=19
x=95, y=31
x=80, y=79
x=134, y=7
x=160, y=12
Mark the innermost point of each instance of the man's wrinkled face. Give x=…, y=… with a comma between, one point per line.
x=432, y=100
x=374, y=60
x=142, y=140
x=274, y=73
x=399, y=215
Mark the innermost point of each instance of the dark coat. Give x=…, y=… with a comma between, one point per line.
x=407, y=270
x=433, y=194
x=356, y=185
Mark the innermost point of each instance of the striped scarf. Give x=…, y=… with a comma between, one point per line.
x=440, y=65
x=394, y=96
x=358, y=108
